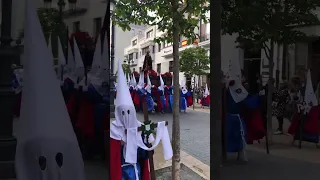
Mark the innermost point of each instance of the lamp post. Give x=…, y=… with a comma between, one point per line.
x=7, y=97
x=112, y=76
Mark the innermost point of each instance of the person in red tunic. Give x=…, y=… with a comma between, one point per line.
x=126, y=162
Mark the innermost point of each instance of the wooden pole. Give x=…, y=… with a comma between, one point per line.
x=150, y=153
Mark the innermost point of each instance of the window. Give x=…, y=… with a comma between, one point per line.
x=149, y=34
x=76, y=26
x=159, y=68
x=145, y=50
x=140, y=69
x=130, y=58
x=137, y=55
x=134, y=42
x=153, y=49
x=97, y=23
x=159, y=47
x=170, y=66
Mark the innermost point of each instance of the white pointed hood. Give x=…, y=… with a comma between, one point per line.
x=123, y=99
x=50, y=47
x=129, y=80
x=309, y=96
x=141, y=81
x=71, y=66
x=149, y=85
x=161, y=87
x=79, y=67
x=45, y=132
x=206, y=91
x=237, y=91
x=183, y=87
x=134, y=82
x=96, y=63
x=103, y=73
x=61, y=60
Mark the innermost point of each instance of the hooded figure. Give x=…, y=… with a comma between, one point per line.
x=61, y=62
x=168, y=92
x=310, y=110
x=147, y=94
x=235, y=126
x=127, y=149
x=141, y=92
x=162, y=105
x=47, y=146
x=183, y=94
x=205, y=100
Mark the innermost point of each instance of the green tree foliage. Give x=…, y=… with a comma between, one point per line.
x=257, y=22
x=52, y=25
x=194, y=61
x=126, y=69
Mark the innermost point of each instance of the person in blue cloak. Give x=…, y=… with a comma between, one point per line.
x=235, y=126
x=183, y=101
x=148, y=96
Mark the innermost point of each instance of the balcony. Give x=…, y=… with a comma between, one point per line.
x=167, y=51
x=205, y=40
x=77, y=9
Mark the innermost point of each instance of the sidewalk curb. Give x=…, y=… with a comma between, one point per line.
x=192, y=163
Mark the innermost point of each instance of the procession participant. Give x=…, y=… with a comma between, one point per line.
x=168, y=91
x=128, y=153
x=147, y=95
x=46, y=144
x=17, y=85
x=93, y=112
x=189, y=97
x=183, y=94
x=205, y=100
x=140, y=92
x=235, y=125
x=162, y=105
x=308, y=107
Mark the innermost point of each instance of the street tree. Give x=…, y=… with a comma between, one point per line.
x=126, y=69
x=263, y=23
x=194, y=62
x=175, y=19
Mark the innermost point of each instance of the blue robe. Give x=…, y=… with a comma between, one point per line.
x=183, y=101
x=149, y=100
x=163, y=100
x=169, y=90
x=235, y=126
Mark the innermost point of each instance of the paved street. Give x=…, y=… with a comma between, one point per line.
x=269, y=167
x=195, y=132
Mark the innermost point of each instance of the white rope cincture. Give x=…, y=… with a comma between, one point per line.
x=304, y=108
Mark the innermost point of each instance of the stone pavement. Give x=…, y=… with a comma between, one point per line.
x=194, y=132
x=266, y=167
x=197, y=107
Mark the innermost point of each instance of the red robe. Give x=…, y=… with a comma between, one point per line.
x=115, y=162
x=189, y=101
x=254, y=124
x=311, y=124
x=85, y=119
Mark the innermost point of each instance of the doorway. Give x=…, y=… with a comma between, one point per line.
x=251, y=68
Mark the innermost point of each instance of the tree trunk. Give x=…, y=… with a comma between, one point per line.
x=270, y=92
x=176, y=108
x=216, y=107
